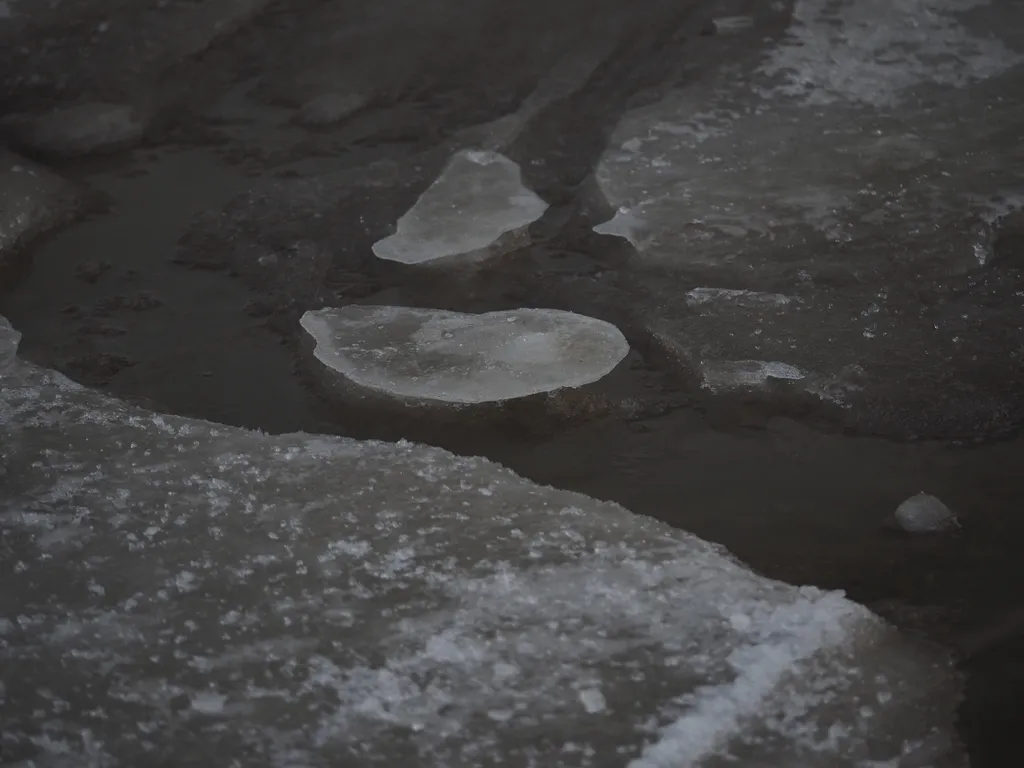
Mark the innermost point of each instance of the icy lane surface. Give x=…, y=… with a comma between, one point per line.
x=180, y=593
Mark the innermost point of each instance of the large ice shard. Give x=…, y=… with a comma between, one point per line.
x=453, y=357
x=477, y=207
x=184, y=593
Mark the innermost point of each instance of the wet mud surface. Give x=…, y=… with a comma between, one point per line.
x=247, y=204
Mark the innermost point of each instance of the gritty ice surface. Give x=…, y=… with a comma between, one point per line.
x=859, y=158
x=179, y=592
x=871, y=51
x=451, y=357
x=32, y=200
x=478, y=198
x=738, y=153
x=699, y=296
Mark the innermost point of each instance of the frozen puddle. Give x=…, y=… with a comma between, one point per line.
x=477, y=207
x=190, y=593
x=462, y=359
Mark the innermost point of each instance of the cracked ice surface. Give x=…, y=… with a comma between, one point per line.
x=477, y=207
x=453, y=357
x=185, y=592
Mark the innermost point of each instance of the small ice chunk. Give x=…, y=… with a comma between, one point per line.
x=451, y=357
x=592, y=700
x=730, y=374
x=733, y=23
x=209, y=703
x=925, y=513
x=476, y=202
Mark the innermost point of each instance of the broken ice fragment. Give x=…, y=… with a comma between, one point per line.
x=592, y=700
x=625, y=224
x=925, y=513
x=729, y=374
x=209, y=703
x=477, y=207
x=451, y=357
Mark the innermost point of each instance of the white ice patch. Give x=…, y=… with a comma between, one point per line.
x=869, y=51
x=452, y=357
x=593, y=700
x=478, y=198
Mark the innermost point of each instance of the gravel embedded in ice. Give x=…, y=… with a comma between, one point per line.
x=432, y=354
x=478, y=198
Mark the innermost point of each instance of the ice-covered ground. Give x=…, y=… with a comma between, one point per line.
x=187, y=593
x=861, y=158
